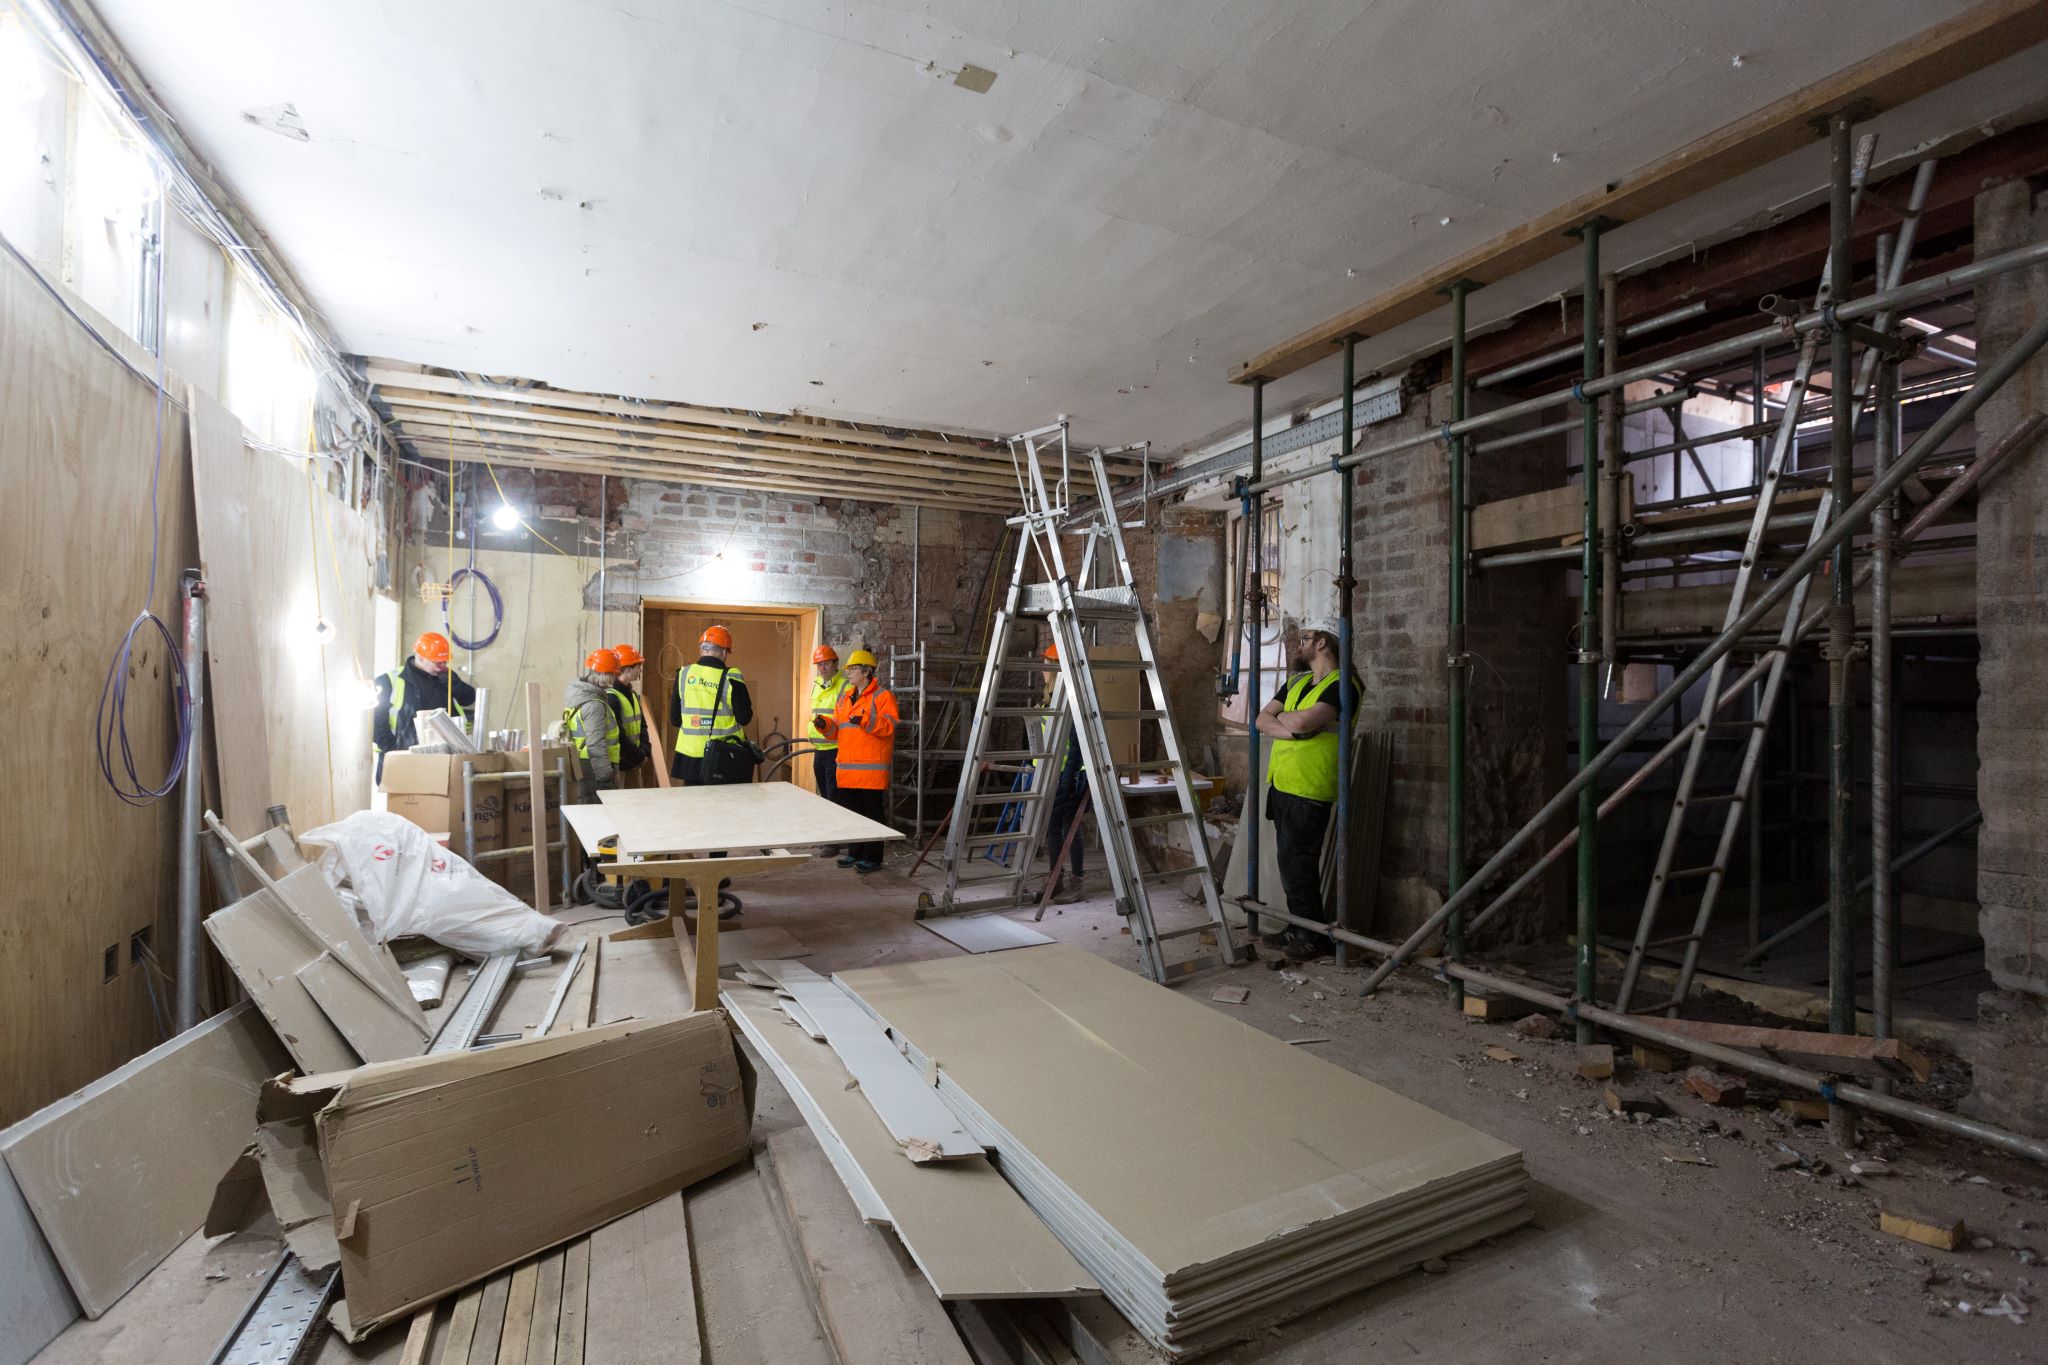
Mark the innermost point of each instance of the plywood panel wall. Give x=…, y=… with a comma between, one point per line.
x=282, y=556
x=83, y=871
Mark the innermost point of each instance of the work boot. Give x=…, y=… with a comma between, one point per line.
x=1066, y=890
x=829, y=851
x=1280, y=938
x=847, y=860
x=1302, y=946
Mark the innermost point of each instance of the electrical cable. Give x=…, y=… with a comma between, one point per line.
x=111, y=739
x=497, y=608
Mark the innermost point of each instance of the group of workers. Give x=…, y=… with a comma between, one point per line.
x=853, y=741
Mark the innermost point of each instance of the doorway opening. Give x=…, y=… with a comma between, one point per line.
x=771, y=647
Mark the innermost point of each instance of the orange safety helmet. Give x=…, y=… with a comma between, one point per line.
x=824, y=654
x=431, y=646
x=601, y=661
x=628, y=656
x=1052, y=651
x=716, y=635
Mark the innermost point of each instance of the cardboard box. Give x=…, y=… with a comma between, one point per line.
x=427, y=790
x=443, y=1170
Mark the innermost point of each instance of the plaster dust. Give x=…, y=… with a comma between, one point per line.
x=779, y=205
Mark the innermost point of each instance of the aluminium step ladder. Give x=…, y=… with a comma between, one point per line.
x=1733, y=803
x=1013, y=752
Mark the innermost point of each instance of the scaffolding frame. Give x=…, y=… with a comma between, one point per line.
x=1845, y=324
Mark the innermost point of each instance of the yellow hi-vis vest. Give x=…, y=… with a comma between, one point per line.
x=1307, y=767
x=630, y=724
x=824, y=702
x=571, y=727
x=396, y=678
x=698, y=688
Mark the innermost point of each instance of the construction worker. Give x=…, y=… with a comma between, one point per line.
x=591, y=726
x=626, y=704
x=1070, y=785
x=1302, y=721
x=864, y=725
x=827, y=684
x=424, y=682
x=710, y=712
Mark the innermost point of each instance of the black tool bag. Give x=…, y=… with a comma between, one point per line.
x=727, y=761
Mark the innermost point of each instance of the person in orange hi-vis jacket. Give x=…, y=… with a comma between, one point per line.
x=864, y=724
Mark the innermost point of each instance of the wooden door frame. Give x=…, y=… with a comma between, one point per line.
x=808, y=622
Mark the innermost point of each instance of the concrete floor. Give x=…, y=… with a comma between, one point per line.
x=1631, y=1256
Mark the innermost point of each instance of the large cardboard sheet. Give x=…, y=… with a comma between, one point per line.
x=1162, y=1115
x=122, y=1172
x=746, y=815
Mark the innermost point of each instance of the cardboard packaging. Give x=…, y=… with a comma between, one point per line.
x=439, y=1171
x=427, y=790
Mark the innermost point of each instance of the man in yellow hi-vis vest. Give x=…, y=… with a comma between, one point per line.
x=826, y=688
x=710, y=712
x=424, y=682
x=1302, y=721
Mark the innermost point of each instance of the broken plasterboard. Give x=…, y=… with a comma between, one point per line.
x=987, y=932
x=119, y=1173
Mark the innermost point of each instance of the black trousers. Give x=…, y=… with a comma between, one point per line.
x=825, y=769
x=1298, y=825
x=875, y=805
x=1066, y=804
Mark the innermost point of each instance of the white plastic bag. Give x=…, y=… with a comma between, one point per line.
x=407, y=884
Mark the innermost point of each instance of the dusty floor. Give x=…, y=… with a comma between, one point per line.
x=1632, y=1256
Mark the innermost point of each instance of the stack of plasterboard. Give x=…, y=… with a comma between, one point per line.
x=1210, y=1176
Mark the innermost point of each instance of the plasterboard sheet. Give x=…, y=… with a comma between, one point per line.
x=371, y=1026
x=1116, y=1061
x=265, y=953
x=984, y=933
x=122, y=1172
x=966, y=1229
x=909, y=1107
x=35, y=1302
x=682, y=820
x=314, y=899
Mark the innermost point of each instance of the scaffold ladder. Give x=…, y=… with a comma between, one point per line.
x=1755, y=728
x=1002, y=771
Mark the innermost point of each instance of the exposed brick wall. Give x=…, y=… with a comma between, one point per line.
x=2011, y=1048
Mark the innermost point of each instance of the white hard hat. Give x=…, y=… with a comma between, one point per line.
x=1326, y=624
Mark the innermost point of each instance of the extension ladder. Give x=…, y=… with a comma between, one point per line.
x=1756, y=728
x=1002, y=771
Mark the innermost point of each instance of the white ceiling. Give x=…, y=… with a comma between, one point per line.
x=789, y=204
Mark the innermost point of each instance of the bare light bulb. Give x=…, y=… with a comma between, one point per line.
x=505, y=519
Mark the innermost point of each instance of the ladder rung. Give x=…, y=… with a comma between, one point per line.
x=1014, y=836
x=1025, y=710
x=1142, y=820
x=1714, y=799
x=1742, y=725
x=1169, y=873
x=1184, y=931
x=1130, y=715
x=1014, y=755
x=1668, y=942
x=1706, y=871
x=1005, y=798
x=1097, y=665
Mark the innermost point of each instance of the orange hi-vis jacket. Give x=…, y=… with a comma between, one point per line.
x=864, y=723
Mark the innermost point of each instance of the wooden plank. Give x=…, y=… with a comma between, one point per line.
x=1945, y=52
x=874, y=1304
x=519, y=1296
x=541, y=1339
x=575, y=1293
x=1828, y=1051
x=689, y=820
x=642, y=1290
x=537, y=788
x=417, y=1334
x=372, y=1027
x=909, y=1107
x=113, y=1202
x=490, y=1321
x=582, y=996
x=751, y=1287
x=1931, y=589
x=970, y=1234
x=659, y=750
x=1546, y=517
x=462, y=1320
